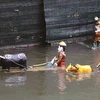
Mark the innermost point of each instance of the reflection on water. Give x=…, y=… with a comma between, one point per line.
x=13, y=80
x=97, y=79
x=80, y=77
x=61, y=80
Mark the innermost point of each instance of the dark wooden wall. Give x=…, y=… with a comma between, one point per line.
x=70, y=18
x=21, y=22
x=34, y=21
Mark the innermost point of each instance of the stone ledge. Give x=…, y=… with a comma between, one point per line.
x=19, y=46
x=72, y=40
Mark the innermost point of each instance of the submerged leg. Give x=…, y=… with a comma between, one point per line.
x=94, y=45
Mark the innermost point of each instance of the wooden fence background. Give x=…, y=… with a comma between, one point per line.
x=70, y=18
x=37, y=21
x=21, y=22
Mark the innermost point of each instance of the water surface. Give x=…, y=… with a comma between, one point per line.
x=52, y=85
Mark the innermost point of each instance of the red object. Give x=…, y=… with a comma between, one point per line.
x=62, y=64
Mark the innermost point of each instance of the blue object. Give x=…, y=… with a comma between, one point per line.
x=49, y=65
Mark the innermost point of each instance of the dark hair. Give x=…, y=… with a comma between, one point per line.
x=63, y=48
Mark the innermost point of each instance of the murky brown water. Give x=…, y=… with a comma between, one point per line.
x=52, y=85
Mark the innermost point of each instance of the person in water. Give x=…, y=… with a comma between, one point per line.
x=60, y=61
x=96, y=42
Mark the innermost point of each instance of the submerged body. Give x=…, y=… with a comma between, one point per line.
x=78, y=69
x=61, y=59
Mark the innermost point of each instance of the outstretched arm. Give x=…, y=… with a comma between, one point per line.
x=59, y=59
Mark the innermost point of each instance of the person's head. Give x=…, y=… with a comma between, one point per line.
x=61, y=46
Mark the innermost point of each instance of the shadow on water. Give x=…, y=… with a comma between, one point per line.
x=52, y=85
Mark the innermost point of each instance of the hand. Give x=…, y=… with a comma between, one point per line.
x=55, y=64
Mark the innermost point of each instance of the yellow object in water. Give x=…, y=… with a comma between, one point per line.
x=62, y=43
x=78, y=69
